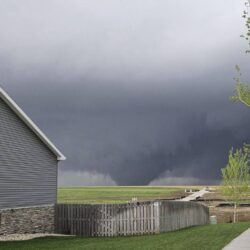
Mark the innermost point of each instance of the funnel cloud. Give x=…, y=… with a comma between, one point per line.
x=132, y=92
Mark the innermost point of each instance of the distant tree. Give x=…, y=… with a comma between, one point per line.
x=236, y=177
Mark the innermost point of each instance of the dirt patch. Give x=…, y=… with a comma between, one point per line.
x=216, y=203
x=19, y=237
x=225, y=215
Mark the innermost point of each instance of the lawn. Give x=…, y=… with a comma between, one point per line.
x=209, y=237
x=116, y=194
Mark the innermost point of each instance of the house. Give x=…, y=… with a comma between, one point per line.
x=28, y=172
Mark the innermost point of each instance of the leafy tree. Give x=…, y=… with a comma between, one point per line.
x=246, y=16
x=242, y=90
x=236, y=177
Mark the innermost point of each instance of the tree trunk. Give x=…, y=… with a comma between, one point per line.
x=235, y=207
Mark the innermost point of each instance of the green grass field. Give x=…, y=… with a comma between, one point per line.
x=209, y=237
x=116, y=194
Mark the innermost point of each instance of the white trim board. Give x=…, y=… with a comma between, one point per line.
x=20, y=113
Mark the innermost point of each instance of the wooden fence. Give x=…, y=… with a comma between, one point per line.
x=128, y=219
x=175, y=215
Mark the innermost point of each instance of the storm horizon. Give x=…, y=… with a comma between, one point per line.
x=132, y=92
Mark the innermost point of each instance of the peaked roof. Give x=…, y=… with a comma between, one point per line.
x=11, y=103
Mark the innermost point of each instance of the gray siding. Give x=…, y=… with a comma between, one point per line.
x=28, y=169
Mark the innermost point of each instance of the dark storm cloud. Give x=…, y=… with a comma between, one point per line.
x=132, y=92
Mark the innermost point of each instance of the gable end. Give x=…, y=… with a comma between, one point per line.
x=31, y=125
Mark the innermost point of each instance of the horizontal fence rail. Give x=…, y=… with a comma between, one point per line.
x=128, y=219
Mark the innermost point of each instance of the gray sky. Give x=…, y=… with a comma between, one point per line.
x=133, y=92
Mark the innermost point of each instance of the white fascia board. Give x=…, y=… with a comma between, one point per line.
x=20, y=113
